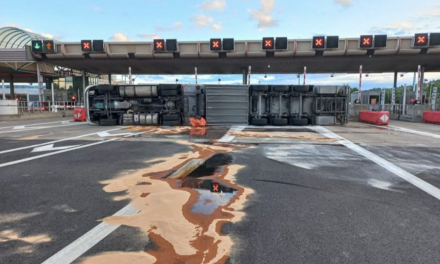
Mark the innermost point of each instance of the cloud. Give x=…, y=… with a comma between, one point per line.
x=148, y=36
x=96, y=9
x=175, y=26
x=215, y=5
x=47, y=35
x=263, y=14
x=119, y=37
x=430, y=12
x=202, y=20
x=344, y=3
x=406, y=27
x=217, y=26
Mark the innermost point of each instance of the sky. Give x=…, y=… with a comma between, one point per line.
x=193, y=20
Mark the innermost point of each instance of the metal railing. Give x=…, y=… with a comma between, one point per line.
x=46, y=106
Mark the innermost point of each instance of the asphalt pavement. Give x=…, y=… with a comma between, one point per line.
x=344, y=194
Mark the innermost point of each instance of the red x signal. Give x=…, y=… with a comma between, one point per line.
x=366, y=41
x=318, y=42
x=268, y=43
x=215, y=187
x=215, y=44
x=159, y=45
x=421, y=39
x=86, y=45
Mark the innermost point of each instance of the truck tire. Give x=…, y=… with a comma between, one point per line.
x=300, y=88
x=171, y=118
x=259, y=88
x=105, y=88
x=168, y=92
x=172, y=123
x=279, y=121
x=299, y=121
x=281, y=88
x=108, y=122
x=169, y=87
x=259, y=121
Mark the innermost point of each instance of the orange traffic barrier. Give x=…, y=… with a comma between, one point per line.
x=79, y=114
x=197, y=122
x=432, y=117
x=375, y=117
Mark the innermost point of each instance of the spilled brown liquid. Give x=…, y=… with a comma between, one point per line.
x=182, y=217
x=278, y=135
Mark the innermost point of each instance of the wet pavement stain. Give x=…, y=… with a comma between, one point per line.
x=292, y=130
x=182, y=217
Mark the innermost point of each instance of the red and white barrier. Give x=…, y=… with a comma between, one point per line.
x=432, y=117
x=375, y=117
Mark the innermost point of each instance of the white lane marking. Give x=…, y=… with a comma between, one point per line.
x=62, y=122
x=60, y=151
x=36, y=128
x=411, y=131
x=227, y=137
x=107, y=134
x=54, y=153
x=421, y=184
x=19, y=127
x=56, y=141
x=50, y=147
x=80, y=246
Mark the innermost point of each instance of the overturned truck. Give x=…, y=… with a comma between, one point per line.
x=175, y=104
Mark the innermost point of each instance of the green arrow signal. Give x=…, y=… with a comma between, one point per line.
x=37, y=46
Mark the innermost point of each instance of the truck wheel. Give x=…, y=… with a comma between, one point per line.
x=163, y=87
x=168, y=92
x=279, y=121
x=281, y=88
x=259, y=121
x=105, y=88
x=172, y=123
x=299, y=121
x=171, y=118
x=300, y=88
x=108, y=122
x=259, y=88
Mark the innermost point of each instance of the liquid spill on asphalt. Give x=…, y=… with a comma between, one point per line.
x=11, y=235
x=182, y=217
x=278, y=135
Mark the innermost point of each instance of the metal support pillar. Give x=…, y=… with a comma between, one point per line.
x=422, y=84
x=245, y=73
x=84, y=83
x=40, y=83
x=110, y=78
x=11, y=87
x=395, y=80
x=3, y=89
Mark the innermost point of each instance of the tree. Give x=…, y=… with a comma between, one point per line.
x=354, y=89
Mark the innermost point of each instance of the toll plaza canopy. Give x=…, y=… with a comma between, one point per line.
x=15, y=38
x=397, y=54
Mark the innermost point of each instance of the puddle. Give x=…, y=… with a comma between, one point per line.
x=182, y=216
x=212, y=194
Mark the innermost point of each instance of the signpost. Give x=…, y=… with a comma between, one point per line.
x=433, y=98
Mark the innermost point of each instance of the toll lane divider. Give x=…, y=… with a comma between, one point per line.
x=375, y=117
x=432, y=117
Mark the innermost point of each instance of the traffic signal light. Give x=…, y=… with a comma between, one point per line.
x=73, y=98
x=268, y=44
x=281, y=43
x=159, y=45
x=228, y=44
x=86, y=45
x=215, y=44
x=332, y=42
x=366, y=41
x=434, y=39
x=171, y=44
x=98, y=45
x=380, y=41
x=48, y=46
x=37, y=46
x=420, y=40
x=318, y=42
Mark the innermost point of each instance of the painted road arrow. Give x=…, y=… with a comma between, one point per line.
x=50, y=147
